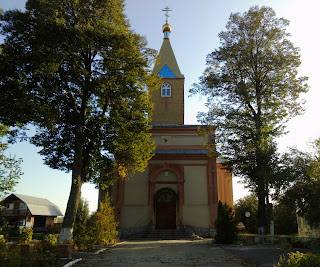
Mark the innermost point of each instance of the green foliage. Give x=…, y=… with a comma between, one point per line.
x=102, y=225
x=253, y=89
x=299, y=260
x=55, y=228
x=50, y=241
x=11, y=231
x=302, y=187
x=247, y=203
x=285, y=219
x=80, y=226
x=82, y=240
x=81, y=75
x=38, y=236
x=92, y=85
x=226, y=226
x=84, y=243
x=26, y=235
x=10, y=169
x=11, y=255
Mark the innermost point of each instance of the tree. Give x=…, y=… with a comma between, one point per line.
x=102, y=225
x=81, y=218
x=10, y=169
x=253, y=89
x=248, y=203
x=302, y=188
x=77, y=71
x=226, y=226
x=285, y=219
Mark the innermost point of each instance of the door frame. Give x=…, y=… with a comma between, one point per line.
x=157, y=195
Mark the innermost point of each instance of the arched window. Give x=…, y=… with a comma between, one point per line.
x=166, y=90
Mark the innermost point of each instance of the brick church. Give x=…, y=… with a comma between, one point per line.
x=181, y=186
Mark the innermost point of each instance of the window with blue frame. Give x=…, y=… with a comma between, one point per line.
x=166, y=90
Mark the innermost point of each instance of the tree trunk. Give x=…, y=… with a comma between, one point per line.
x=261, y=213
x=75, y=193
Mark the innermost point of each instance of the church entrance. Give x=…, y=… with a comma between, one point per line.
x=166, y=209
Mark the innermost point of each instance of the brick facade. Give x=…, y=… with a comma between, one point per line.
x=169, y=110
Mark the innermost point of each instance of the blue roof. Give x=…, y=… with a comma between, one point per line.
x=166, y=72
x=181, y=151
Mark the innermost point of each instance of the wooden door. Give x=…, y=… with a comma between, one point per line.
x=166, y=212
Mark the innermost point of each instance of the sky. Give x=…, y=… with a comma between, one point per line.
x=195, y=28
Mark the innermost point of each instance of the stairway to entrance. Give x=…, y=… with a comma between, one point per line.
x=162, y=234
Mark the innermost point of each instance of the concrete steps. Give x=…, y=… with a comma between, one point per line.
x=162, y=234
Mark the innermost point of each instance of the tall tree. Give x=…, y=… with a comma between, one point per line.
x=253, y=89
x=76, y=70
x=10, y=169
x=301, y=190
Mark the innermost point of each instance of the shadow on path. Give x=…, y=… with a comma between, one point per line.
x=165, y=253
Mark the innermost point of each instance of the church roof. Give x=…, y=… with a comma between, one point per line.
x=167, y=66
x=182, y=151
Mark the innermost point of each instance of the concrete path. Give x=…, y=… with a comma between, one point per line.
x=165, y=253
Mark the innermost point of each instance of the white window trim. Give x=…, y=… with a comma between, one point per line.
x=167, y=86
x=9, y=206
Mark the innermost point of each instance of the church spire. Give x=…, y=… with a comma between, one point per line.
x=167, y=66
x=166, y=28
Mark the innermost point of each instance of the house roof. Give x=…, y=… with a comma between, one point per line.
x=39, y=206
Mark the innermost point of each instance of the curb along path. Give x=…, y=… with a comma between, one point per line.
x=165, y=253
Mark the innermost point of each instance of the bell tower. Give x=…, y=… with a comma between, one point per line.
x=169, y=99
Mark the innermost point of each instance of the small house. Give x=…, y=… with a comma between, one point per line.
x=30, y=212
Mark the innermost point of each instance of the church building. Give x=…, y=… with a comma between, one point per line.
x=182, y=184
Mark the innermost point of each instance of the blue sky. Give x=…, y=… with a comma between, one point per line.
x=195, y=28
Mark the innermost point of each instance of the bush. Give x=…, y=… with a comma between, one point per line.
x=84, y=243
x=55, y=228
x=102, y=225
x=38, y=236
x=26, y=235
x=80, y=226
x=11, y=231
x=299, y=260
x=226, y=226
x=50, y=241
x=82, y=240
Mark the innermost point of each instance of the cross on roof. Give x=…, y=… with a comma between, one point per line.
x=167, y=9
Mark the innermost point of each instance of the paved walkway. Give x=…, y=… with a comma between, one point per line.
x=165, y=253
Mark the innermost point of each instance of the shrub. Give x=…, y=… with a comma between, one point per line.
x=226, y=226
x=299, y=260
x=82, y=240
x=26, y=235
x=38, y=236
x=84, y=243
x=55, y=228
x=11, y=231
x=50, y=241
x=102, y=225
x=80, y=226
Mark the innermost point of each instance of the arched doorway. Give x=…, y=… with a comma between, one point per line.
x=165, y=204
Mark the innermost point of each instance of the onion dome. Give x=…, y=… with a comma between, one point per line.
x=166, y=28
